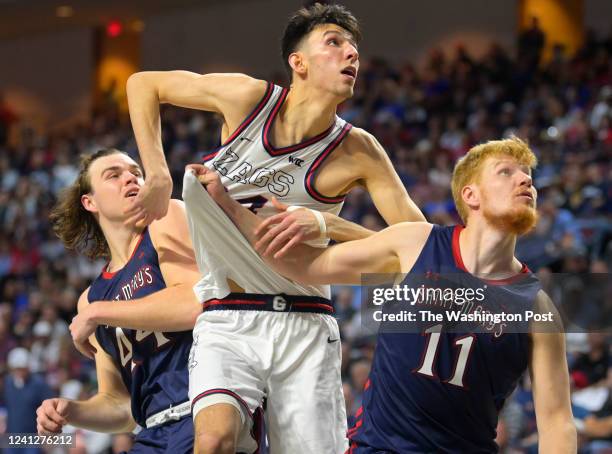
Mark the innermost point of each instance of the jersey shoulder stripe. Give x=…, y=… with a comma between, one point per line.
x=312, y=171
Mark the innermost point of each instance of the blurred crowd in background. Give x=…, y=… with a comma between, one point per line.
x=425, y=118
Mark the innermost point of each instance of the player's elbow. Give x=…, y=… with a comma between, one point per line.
x=192, y=308
x=125, y=422
x=118, y=407
x=139, y=82
x=136, y=80
x=558, y=435
x=128, y=426
x=193, y=314
x=568, y=429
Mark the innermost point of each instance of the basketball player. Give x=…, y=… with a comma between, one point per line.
x=290, y=144
x=145, y=290
x=441, y=391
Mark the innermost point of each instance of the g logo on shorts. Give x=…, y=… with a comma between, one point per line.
x=279, y=303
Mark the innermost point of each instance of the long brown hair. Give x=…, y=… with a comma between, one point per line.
x=76, y=227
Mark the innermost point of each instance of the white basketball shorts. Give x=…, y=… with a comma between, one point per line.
x=276, y=345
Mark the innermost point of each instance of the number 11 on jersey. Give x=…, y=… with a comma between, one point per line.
x=464, y=345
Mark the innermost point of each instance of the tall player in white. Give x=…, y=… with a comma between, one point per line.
x=290, y=144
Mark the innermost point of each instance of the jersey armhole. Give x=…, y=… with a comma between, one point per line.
x=435, y=229
x=101, y=344
x=311, y=174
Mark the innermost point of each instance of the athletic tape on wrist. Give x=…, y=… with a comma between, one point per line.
x=318, y=216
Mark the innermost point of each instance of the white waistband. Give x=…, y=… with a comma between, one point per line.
x=169, y=414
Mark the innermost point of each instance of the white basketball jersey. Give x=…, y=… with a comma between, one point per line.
x=250, y=166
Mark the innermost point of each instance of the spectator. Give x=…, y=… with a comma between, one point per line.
x=45, y=349
x=23, y=393
x=597, y=427
x=359, y=372
x=591, y=368
x=531, y=43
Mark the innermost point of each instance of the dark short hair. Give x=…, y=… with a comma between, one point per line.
x=307, y=18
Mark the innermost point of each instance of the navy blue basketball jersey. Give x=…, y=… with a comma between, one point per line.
x=441, y=390
x=153, y=365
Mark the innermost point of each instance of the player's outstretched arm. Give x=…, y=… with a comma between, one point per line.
x=231, y=95
x=107, y=411
x=550, y=384
x=174, y=308
x=344, y=263
x=390, y=251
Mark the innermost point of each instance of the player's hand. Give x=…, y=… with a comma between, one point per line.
x=211, y=181
x=281, y=232
x=51, y=416
x=151, y=202
x=81, y=328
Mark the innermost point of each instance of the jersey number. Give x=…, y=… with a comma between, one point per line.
x=253, y=203
x=125, y=346
x=431, y=352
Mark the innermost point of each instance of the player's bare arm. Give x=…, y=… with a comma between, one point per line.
x=393, y=250
x=359, y=162
x=230, y=95
x=343, y=263
x=107, y=411
x=550, y=383
x=288, y=228
x=174, y=308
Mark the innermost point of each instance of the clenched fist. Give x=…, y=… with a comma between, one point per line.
x=52, y=415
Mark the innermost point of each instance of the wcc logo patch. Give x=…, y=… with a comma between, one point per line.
x=297, y=161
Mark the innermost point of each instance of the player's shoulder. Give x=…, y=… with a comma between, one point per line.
x=361, y=138
x=551, y=321
x=543, y=303
x=361, y=143
x=176, y=216
x=176, y=207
